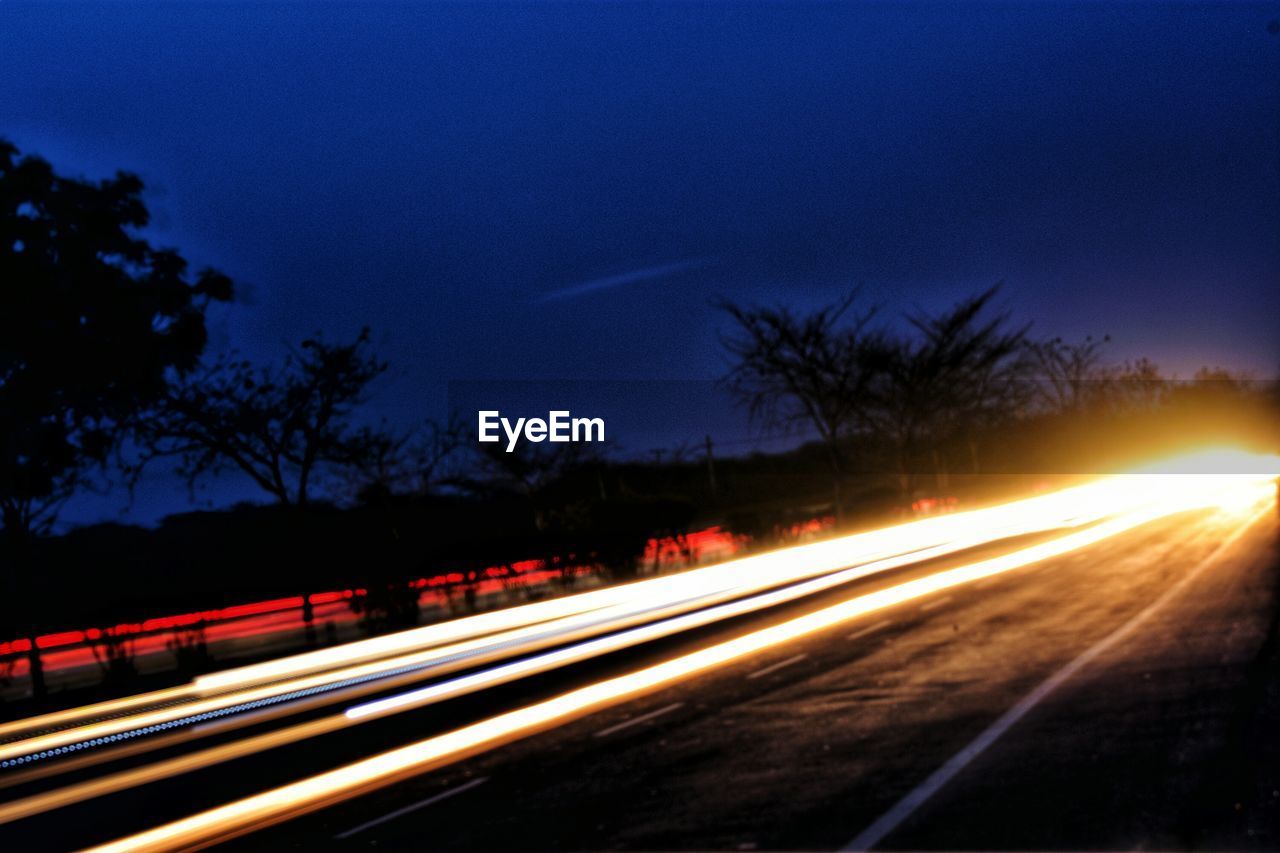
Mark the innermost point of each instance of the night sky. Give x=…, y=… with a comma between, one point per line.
x=536, y=191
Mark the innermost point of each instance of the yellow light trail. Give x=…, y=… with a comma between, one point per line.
x=1231, y=494
x=491, y=635
x=67, y=795
x=448, y=658
x=361, y=650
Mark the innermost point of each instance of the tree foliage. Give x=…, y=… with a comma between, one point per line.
x=952, y=373
x=417, y=462
x=280, y=424
x=95, y=324
x=809, y=370
x=960, y=371
x=1067, y=371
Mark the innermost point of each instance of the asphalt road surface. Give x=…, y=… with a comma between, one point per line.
x=1164, y=738
x=1123, y=695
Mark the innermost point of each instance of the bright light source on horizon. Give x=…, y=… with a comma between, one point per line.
x=1217, y=461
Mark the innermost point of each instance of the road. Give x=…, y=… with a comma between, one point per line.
x=1119, y=693
x=1153, y=745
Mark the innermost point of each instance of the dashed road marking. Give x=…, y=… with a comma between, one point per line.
x=777, y=666
x=871, y=629
x=422, y=804
x=918, y=796
x=640, y=719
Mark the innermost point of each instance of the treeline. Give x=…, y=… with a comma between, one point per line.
x=105, y=372
x=969, y=391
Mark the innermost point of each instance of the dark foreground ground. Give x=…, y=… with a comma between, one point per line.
x=1168, y=738
x=1162, y=731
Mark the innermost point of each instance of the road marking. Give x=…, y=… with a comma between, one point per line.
x=905, y=807
x=641, y=719
x=879, y=626
x=937, y=602
x=413, y=808
x=777, y=666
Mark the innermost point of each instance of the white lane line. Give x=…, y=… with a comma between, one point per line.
x=444, y=795
x=879, y=626
x=640, y=719
x=937, y=602
x=904, y=808
x=777, y=666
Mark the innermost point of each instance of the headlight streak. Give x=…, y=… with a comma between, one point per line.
x=686, y=590
x=860, y=546
x=311, y=662
x=57, y=719
x=361, y=679
x=647, y=633
x=311, y=693
x=1093, y=500
x=1177, y=494
x=453, y=688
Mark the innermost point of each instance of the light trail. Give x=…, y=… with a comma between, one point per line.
x=365, y=678
x=871, y=837
x=441, y=691
x=838, y=552
x=361, y=650
x=562, y=620
x=700, y=587
x=56, y=719
x=1231, y=495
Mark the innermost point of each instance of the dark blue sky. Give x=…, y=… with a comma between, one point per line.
x=531, y=191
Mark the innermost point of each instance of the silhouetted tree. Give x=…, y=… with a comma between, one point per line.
x=1139, y=385
x=279, y=424
x=1069, y=374
x=379, y=470
x=1213, y=396
x=809, y=370
x=95, y=324
x=434, y=453
x=1073, y=377
x=416, y=462
x=388, y=466
x=537, y=472
x=961, y=371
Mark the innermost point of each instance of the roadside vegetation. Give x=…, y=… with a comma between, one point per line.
x=106, y=373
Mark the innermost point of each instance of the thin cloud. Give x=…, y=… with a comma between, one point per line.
x=632, y=277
